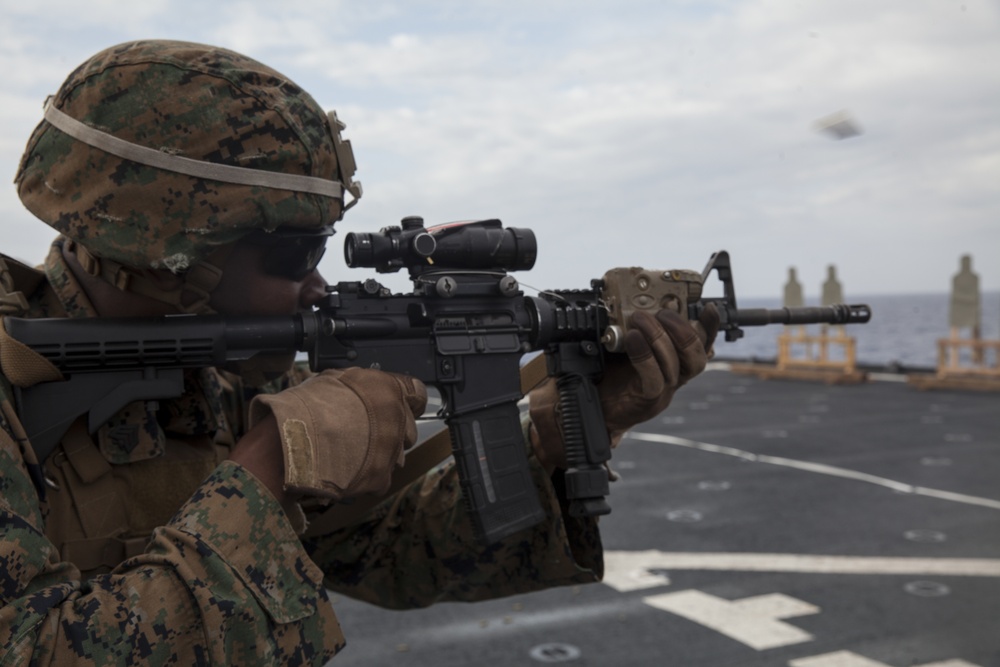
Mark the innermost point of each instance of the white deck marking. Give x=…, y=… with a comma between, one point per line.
x=820, y=468
x=887, y=377
x=624, y=573
x=836, y=659
x=635, y=570
x=751, y=621
x=848, y=659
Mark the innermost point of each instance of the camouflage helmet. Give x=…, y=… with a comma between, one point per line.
x=155, y=153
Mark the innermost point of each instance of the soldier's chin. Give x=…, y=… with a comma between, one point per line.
x=263, y=368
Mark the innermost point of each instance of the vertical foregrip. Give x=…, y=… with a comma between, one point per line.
x=588, y=446
x=493, y=467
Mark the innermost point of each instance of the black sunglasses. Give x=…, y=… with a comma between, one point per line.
x=291, y=253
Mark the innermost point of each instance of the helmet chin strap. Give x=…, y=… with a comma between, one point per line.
x=191, y=297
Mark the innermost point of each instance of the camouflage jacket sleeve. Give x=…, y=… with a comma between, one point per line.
x=225, y=582
x=418, y=548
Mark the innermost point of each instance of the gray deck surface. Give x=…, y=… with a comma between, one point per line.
x=902, y=486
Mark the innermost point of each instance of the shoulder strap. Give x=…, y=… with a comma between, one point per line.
x=16, y=280
x=21, y=365
x=100, y=508
x=418, y=462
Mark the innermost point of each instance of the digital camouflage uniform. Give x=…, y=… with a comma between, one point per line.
x=224, y=578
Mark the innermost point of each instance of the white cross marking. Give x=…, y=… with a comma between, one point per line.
x=752, y=621
x=848, y=659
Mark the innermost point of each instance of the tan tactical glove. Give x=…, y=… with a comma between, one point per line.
x=343, y=431
x=661, y=354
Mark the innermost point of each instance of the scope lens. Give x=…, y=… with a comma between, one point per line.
x=358, y=250
x=524, y=248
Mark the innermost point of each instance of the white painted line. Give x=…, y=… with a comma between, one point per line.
x=623, y=578
x=752, y=621
x=821, y=468
x=623, y=569
x=873, y=376
x=836, y=659
x=848, y=659
x=472, y=628
x=630, y=570
x=887, y=377
x=775, y=605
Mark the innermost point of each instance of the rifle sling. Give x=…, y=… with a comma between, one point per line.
x=22, y=366
x=419, y=461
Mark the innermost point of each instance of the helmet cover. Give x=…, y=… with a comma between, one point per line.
x=195, y=101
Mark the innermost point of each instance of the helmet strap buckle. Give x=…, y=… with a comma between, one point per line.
x=109, y=271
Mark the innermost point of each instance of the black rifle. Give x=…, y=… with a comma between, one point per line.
x=463, y=330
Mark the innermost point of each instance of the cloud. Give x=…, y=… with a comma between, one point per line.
x=653, y=134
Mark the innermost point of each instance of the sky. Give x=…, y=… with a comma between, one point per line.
x=631, y=133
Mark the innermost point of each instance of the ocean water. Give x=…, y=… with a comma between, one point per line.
x=902, y=334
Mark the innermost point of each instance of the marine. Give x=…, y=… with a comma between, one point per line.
x=186, y=178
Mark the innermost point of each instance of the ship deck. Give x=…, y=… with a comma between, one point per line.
x=762, y=523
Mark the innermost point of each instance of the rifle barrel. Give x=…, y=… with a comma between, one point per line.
x=836, y=314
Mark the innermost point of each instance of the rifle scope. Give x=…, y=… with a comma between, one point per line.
x=480, y=244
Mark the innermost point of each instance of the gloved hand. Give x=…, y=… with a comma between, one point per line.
x=662, y=353
x=343, y=431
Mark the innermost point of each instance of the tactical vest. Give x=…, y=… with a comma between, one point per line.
x=104, y=493
x=107, y=492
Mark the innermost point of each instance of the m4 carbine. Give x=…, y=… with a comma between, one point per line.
x=464, y=330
